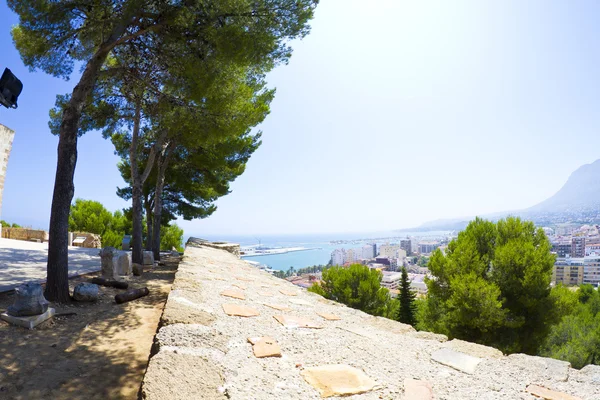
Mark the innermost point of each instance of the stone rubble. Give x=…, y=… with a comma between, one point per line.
x=86, y=292
x=204, y=335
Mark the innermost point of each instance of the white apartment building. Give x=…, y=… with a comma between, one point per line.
x=391, y=280
x=353, y=255
x=368, y=251
x=338, y=257
x=591, y=269
x=389, y=250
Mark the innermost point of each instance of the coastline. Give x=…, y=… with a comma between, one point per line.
x=283, y=251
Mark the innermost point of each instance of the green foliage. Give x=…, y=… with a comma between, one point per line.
x=292, y=271
x=9, y=225
x=407, y=307
x=357, y=286
x=576, y=338
x=92, y=217
x=89, y=216
x=171, y=236
x=493, y=286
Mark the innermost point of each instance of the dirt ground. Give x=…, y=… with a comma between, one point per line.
x=99, y=353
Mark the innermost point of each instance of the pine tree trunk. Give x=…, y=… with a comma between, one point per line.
x=57, y=283
x=148, y=207
x=160, y=184
x=137, y=254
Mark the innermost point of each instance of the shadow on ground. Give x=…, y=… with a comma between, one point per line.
x=99, y=353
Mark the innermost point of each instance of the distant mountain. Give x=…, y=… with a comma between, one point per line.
x=582, y=191
x=577, y=200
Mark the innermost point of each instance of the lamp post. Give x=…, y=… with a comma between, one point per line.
x=10, y=89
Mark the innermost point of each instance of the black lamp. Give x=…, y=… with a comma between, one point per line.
x=10, y=89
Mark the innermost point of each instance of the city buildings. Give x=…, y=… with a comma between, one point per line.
x=578, y=247
x=389, y=250
x=428, y=247
x=568, y=271
x=369, y=251
x=406, y=245
x=338, y=257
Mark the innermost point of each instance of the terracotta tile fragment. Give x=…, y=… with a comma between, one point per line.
x=239, y=285
x=278, y=307
x=417, y=389
x=290, y=321
x=548, y=394
x=241, y=278
x=233, y=293
x=240, y=311
x=337, y=380
x=265, y=347
x=288, y=292
x=329, y=317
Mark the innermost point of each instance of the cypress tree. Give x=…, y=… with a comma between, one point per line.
x=406, y=312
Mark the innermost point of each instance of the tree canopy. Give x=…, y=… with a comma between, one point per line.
x=176, y=46
x=576, y=338
x=92, y=217
x=493, y=286
x=357, y=286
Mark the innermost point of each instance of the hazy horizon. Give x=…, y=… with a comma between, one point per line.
x=388, y=116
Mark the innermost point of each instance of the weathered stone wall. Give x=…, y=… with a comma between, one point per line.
x=25, y=234
x=6, y=139
x=204, y=350
x=233, y=248
x=92, y=241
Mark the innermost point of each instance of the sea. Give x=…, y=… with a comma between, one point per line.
x=320, y=245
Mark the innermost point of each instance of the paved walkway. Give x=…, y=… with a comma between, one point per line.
x=22, y=261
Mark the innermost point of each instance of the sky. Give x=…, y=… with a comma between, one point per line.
x=390, y=113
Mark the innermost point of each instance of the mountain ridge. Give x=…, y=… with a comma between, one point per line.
x=579, y=194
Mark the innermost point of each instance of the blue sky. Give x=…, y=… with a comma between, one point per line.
x=388, y=115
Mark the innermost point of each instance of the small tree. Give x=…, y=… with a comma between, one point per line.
x=357, y=286
x=406, y=312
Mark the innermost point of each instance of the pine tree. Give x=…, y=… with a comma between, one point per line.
x=406, y=312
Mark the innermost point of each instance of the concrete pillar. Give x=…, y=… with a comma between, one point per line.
x=6, y=140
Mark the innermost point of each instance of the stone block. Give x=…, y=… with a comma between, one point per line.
x=148, y=258
x=31, y=321
x=265, y=347
x=86, y=292
x=234, y=294
x=109, y=259
x=429, y=336
x=329, y=317
x=417, y=389
x=290, y=321
x=541, y=367
x=239, y=311
x=474, y=349
x=548, y=394
x=124, y=267
x=137, y=269
x=338, y=380
x=29, y=300
x=460, y=361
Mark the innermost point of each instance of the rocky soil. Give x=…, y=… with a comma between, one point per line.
x=92, y=351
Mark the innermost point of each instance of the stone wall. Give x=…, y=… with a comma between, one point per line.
x=25, y=234
x=92, y=241
x=6, y=139
x=230, y=331
x=232, y=248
